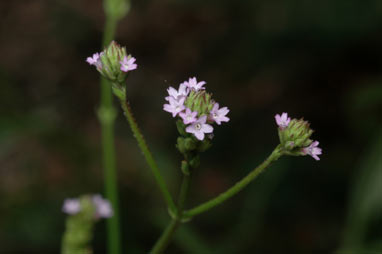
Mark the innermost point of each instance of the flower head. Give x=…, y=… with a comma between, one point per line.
x=174, y=106
x=102, y=207
x=193, y=84
x=71, y=206
x=199, y=128
x=283, y=120
x=113, y=63
x=128, y=64
x=219, y=115
x=313, y=150
x=188, y=116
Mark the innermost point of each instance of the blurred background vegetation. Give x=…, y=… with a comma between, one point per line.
x=320, y=60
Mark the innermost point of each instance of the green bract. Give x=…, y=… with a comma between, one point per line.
x=200, y=101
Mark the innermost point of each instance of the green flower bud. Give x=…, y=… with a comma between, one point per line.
x=111, y=66
x=181, y=127
x=195, y=162
x=181, y=145
x=185, y=168
x=204, y=145
x=190, y=143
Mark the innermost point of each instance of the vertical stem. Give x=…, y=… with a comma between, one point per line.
x=170, y=230
x=107, y=116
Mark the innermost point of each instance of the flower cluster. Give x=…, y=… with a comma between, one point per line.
x=195, y=107
x=295, y=136
x=113, y=63
x=102, y=207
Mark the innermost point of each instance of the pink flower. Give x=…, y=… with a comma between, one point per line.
x=283, y=120
x=200, y=127
x=188, y=116
x=71, y=206
x=219, y=115
x=176, y=94
x=128, y=65
x=313, y=150
x=174, y=106
x=95, y=60
x=193, y=84
x=102, y=207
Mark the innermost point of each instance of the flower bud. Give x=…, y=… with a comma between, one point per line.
x=185, y=168
x=295, y=135
x=204, y=145
x=111, y=66
x=195, y=161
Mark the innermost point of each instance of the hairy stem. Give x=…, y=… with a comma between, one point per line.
x=148, y=156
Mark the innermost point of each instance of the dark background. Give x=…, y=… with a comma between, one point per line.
x=320, y=60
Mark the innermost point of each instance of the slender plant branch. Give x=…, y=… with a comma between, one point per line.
x=148, y=156
x=170, y=230
x=234, y=189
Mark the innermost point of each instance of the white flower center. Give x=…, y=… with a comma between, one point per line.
x=215, y=115
x=198, y=126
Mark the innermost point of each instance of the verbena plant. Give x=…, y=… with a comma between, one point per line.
x=195, y=113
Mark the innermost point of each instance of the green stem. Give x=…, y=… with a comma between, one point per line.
x=107, y=115
x=165, y=238
x=183, y=194
x=148, y=156
x=234, y=189
x=170, y=230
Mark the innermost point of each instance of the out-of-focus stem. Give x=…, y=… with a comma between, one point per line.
x=107, y=115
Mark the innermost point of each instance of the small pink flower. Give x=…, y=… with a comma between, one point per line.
x=219, y=115
x=176, y=94
x=174, y=106
x=283, y=120
x=200, y=127
x=95, y=60
x=71, y=206
x=128, y=65
x=188, y=116
x=193, y=84
x=102, y=207
x=313, y=150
